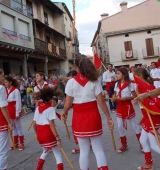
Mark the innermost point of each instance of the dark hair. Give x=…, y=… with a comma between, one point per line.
x=1, y=71
x=72, y=73
x=42, y=74
x=86, y=68
x=47, y=94
x=153, y=62
x=145, y=75
x=110, y=64
x=124, y=72
x=14, y=81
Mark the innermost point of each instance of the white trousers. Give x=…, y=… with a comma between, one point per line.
x=56, y=151
x=4, y=149
x=148, y=142
x=121, y=128
x=97, y=146
x=17, y=128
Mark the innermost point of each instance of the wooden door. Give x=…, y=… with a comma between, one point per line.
x=128, y=45
x=149, y=47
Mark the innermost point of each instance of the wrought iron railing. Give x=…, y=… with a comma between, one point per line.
x=18, y=6
x=134, y=55
x=62, y=53
x=40, y=44
x=151, y=53
x=9, y=32
x=25, y=37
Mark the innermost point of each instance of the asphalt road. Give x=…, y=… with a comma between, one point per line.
x=129, y=160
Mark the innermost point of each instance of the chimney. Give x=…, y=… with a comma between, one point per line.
x=124, y=6
x=104, y=16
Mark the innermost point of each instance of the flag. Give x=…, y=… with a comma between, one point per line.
x=97, y=62
x=151, y=105
x=58, y=115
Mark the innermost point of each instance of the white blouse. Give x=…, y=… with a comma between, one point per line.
x=81, y=94
x=3, y=98
x=107, y=76
x=126, y=91
x=15, y=96
x=41, y=87
x=44, y=117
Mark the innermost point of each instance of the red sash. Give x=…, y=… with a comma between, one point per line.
x=81, y=79
x=125, y=84
x=43, y=106
x=12, y=89
x=45, y=85
x=109, y=85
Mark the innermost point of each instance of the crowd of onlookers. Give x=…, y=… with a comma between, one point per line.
x=26, y=85
x=26, y=88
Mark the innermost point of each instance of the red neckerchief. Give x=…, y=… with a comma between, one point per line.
x=12, y=89
x=43, y=106
x=125, y=84
x=45, y=85
x=81, y=79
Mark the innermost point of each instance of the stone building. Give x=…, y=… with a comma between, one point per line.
x=35, y=36
x=131, y=36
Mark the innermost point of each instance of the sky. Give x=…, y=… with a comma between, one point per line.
x=88, y=15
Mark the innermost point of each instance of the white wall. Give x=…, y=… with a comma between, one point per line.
x=116, y=46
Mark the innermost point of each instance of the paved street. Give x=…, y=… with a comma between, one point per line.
x=130, y=160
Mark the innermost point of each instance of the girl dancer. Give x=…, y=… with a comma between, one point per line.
x=41, y=82
x=124, y=90
x=147, y=139
x=5, y=124
x=83, y=90
x=14, y=109
x=43, y=124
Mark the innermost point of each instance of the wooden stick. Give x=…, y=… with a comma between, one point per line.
x=68, y=160
x=67, y=130
x=112, y=99
x=13, y=144
x=30, y=125
x=113, y=140
x=104, y=66
x=153, y=128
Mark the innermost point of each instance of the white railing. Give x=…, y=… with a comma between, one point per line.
x=133, y=57
x=148, y=54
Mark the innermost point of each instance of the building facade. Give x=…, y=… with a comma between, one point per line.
x=39, y=28
x=132, y=36
x=68, y=31
x=16, y=36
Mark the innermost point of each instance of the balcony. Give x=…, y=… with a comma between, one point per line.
x=68, y=35
x=75, y=42
x=134, y=56
x=41, y=44
x=62, y=53
x=18, y=6
x=49, y=48
x=6, y=31
x=150, y=53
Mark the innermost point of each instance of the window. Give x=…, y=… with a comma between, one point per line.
x=45, y=18
x=29, y=3
x=48, y=39
x=149, y=47
x=149, y=32
x=30, y=9
x=8, y=22
x=23, y=27
x=128, y=45
x=126, y=35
